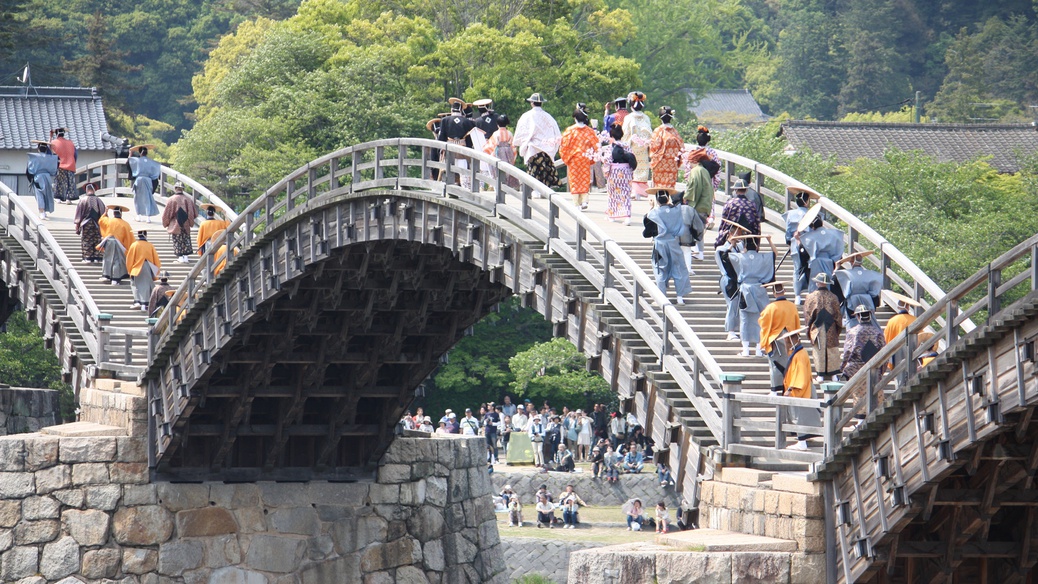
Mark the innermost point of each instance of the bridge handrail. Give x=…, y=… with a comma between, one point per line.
x=875, y=380
x=561, y=226
x=17, y=217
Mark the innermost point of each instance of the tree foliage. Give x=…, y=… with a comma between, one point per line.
x=26, y=362
x=555, y=371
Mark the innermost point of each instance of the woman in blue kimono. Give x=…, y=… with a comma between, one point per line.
x=668, y=263
x=145, y=173
x=41, y=169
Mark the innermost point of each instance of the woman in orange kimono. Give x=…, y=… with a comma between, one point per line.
x=579, y=144
x=665, y=151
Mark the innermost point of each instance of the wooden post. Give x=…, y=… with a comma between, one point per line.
x=731, y=387
x=994, y=281
x=830, y=415
x=103, y=319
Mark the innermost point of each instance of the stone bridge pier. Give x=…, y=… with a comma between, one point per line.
x=81, y=509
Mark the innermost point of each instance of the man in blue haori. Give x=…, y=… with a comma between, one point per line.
x=728, y=281
x=824, y=245
x=753, y=268
x=858, y=286
x=41, y=169
x=802, y=198
x=668, y=263
x=145, y=173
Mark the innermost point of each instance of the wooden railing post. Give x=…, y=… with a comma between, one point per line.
x=103, y=320
x=731, y=387
x=830, y=415
x=994, y=301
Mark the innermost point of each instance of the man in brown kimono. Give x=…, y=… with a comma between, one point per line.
x=822, y=314
x=178, y=218
x=158, y=298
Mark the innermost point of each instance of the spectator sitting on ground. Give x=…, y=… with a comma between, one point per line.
x=633, y=462
x=596, y=462
x=635, y=516
x=564, y=459
x=507, y=493
x=515, y=512
x=545, y=512
x=664, y=474
x=611, y=461
x=542, y=491
x=662, y=517
x=571, y=504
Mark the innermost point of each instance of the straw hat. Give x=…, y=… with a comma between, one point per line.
x=901, y=299
x=854, y=257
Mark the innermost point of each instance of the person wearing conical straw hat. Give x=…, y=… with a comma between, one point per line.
x=824, y=245
x=861, y=343
x=114, y=232
x=158, y=297
x=798, y=383
x=117, y=226
x=456, y=129
x=856, y=285
x=728, y=281
x=899, y=322
x=802, y=201
x=211, y=225
x=777, y=319
x=145, y=173
x=754, y=268
x=578, y=147
x=42, y=170
x=219, y=261
x=822, y=314
x=142, y=260
x=178, y=218
x=667, y=260
x=738, y=209
x=88, y=213
x=537, y=138
x=665, y=149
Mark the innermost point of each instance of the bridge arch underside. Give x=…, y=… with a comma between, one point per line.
x=296, y=362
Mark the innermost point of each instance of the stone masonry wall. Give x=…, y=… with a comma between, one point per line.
x=27, y=410
x=76, y=510
x=596, y=492
x=115, y=403
x=545, y=557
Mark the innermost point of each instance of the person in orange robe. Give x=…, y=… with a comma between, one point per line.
x=116, y=226
x=579, y=143
x=778, y=318
x=897, y=325
x=665, y=148
x=219, y=262
x=798, y=383
x=209, y=227
x=143, y=263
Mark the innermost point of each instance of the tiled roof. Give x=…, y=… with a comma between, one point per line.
x=31, y=113
x=728, y=103
x=850, y=141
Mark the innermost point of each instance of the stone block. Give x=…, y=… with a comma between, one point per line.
x=745, y=476
x=401, y=451
x=88, y=527
x=284, y=494
x=344, y=569
x=94, y=449
x=250, y=520
x=409, y=575
x=771, y=503
x=30, y=532
x=281, y=554
x=795, y=484
x=144, y=525
x=785, y=504
x=41, y=453
x=394, y=473
x=89, y=473
x=59, y=559
x=129, y=473
x=385, y=577
x=139, y=561
x=322, y=493
x=736, y=496
x=16, y=485
x=180, y=496
x=426, y=524
x=758, y=501
x=760, y=568
x=320, y=548
x=103, y=497
x=807, y=569
x=140, y=495
x=35, y=508
x=464, y=550
x=70, y=497
x=53, y=478
x=132, y=450
x=222, y=550
x=10, y=513
x=19, y=562
x=12, y=454
x=208, y=521
x=433, y=557
x=436, y=491
x=412, y=494
x=234, y=496
x=102, y=563
x=296, y=520
x=384, y=494
x=702, y=568
x=176, y=557
x=350, y=537
x=232, y=575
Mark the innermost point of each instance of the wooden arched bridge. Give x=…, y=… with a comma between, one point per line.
x=294, y=344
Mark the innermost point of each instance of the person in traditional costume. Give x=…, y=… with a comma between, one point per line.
x=433, y=126
x=728, y=282
x=143, y=263
x=88, y=212
x=619, y=163
x=500, y=146
x=898, y=323
x=579, y=143
x=752, y=193
x=798, y=383
x=702, y=191
x=219, y=261
x=116, y=238
x=608, y=119
x=158, y=298
x=65, y=150
x=801, y=278
x=702, y=139
x=694, y=225
x=209, y=227
x=178, y=218
x=457, y=129
x=665, y=149
x=822, y=313
x=41, y=170
x=753, y=268
x=145, y=173
x=857, y=285
x=824, y=245
x=738, y=209
x=667, y=261
x=637, y=134
x=861, y=343
x=777, y=319
x=598, y=179
x=537, y=138
x=486, y=117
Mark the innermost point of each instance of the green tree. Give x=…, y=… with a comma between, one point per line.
x=555, y=371
x=26, y=362
x=875, y=76
x=808, y=75
x=102, y=66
